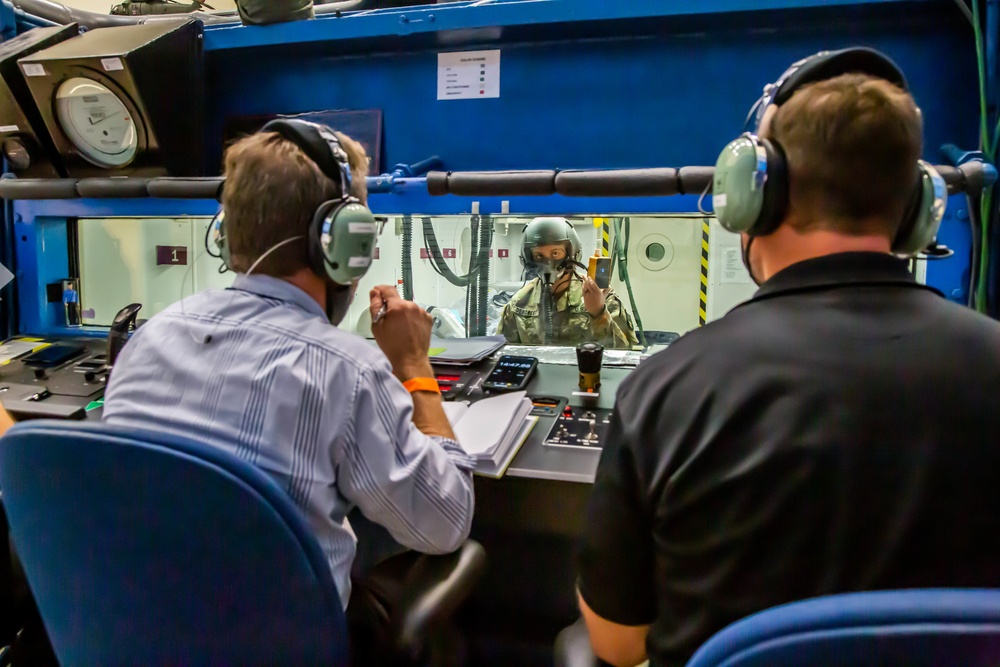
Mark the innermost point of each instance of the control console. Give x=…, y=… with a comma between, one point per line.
x=57, y=381
x=580, y=428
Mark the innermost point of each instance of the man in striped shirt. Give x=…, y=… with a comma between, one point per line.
x=258, y=370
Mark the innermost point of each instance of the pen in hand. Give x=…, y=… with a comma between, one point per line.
x=379, y=315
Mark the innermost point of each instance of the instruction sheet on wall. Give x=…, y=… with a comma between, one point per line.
x=733, y=271
x=468, y=75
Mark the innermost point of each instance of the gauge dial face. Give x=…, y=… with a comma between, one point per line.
x=97, y=122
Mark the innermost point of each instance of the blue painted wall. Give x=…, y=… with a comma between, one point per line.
x=665, y=99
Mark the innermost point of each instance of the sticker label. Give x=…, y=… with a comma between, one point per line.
x=33, y=69
x=167, y=255
x=355, y=262
x=362, y=228
x=719, y=201
x=111, y=64
x=468, y=75
x=733, y=271
x=8, y=128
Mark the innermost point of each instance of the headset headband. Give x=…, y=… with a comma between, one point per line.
x=820, y=67
x=320, y=145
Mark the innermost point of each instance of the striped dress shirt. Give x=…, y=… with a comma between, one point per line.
x=258, y=371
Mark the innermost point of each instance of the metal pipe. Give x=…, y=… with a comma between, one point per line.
x=969, y=177
x=61, y=14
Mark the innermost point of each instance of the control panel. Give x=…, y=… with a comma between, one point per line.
x=55, y=380
x=580, y=428
x=458, y=382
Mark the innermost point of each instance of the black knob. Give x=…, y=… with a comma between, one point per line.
x=40, y=373
x=90, y=376
x=589, y=357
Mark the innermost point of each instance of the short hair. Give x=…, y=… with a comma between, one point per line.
x=271, y=192
x=852, y=144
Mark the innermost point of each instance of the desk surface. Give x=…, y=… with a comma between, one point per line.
x=539, y=461
x=534, y=460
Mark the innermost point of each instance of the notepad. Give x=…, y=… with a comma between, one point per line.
x=463, y=351
x=492, y=430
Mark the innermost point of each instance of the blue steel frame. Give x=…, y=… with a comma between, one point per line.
x=584, y=84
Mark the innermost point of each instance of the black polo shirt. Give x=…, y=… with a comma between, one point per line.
x=838, y=432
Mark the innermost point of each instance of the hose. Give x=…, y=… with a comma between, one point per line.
x=437, y=260
x=483, y=274
x=547, y=311
x=975, y=223
x=407, y=267
x=620, y=253
x=471, y=293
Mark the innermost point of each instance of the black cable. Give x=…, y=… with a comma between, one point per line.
x=993, y=275
x=621, y=251
x=483, y=273
x=472, y=291
x=546, y=304
x=407, y=264
x=975, y=224
x=965, y=9
x=437, y=260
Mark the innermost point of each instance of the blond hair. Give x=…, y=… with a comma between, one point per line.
x=271, y=192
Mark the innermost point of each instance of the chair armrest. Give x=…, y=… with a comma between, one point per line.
x=573, y=647
x=434, y=588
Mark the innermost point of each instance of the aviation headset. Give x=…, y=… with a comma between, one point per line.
x=750, y=192
x=342, y=235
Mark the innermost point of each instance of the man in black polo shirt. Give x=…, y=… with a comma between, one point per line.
x=838, y=432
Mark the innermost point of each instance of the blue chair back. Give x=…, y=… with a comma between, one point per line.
x=150, y=549
x=915, y=628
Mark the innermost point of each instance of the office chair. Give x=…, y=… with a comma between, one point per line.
x=148, y=548
x=912, y=628
x=916, y=628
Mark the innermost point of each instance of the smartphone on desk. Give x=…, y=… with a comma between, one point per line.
x=53, y=355
x=510, y=373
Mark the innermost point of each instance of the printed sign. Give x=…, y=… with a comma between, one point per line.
x=468, y=75
x=171, y=255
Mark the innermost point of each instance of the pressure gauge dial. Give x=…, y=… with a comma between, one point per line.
x=97, y=122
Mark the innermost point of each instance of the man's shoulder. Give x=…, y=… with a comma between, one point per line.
x=967, y=321
x=350, y=348
x=293, y=325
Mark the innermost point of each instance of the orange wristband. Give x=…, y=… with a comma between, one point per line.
x=422, y=384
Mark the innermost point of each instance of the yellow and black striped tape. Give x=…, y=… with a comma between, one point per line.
x=606, y=237
x=703, y=305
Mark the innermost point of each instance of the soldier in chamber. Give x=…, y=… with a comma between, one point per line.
x=562, y=306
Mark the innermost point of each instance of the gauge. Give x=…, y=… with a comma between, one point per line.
x=97, y=122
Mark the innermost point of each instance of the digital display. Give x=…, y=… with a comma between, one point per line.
x=511, y=371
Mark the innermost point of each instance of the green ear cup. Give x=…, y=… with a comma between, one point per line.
x=347, y=236
x=920, y=228
x=738, y=187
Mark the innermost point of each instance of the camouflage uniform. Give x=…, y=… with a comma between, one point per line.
x=521, y=321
